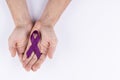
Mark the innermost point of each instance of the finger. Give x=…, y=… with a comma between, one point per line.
x=12, y=51
x=32, y=61
x=39, y=62
x=43, y=48
x=12, y=47
x=44, y=44
x=21, y=51
x=26, y=61
x=20, y=57
x=51, y=50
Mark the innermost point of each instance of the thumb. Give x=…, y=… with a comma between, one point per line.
x=12, y=48
x=51, y=49
x=50, y=52
x=13, y=51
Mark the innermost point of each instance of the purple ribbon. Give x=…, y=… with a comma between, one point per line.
x=35, y=38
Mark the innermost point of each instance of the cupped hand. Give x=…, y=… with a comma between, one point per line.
x=46, y=45
x=18, y=40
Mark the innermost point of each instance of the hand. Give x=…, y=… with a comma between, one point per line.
x=18, y=40
x=47, y=46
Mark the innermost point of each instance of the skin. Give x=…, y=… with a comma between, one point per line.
x=45, y=26
x=19, y=37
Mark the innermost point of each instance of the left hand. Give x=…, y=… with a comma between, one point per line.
x=18, y=40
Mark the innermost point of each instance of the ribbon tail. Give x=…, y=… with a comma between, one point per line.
x=37, y=52
x=29, y=52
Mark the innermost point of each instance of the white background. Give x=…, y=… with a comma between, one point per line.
x=88, y=48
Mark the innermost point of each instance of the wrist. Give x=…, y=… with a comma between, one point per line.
x=43, y=24
x=40, y=26
x=27, y=26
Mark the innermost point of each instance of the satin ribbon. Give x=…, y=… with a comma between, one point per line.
x=35, y=38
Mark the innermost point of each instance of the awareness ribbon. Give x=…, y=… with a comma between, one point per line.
x=34, y=47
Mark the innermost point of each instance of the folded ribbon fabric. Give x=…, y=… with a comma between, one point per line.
x=35, y=38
